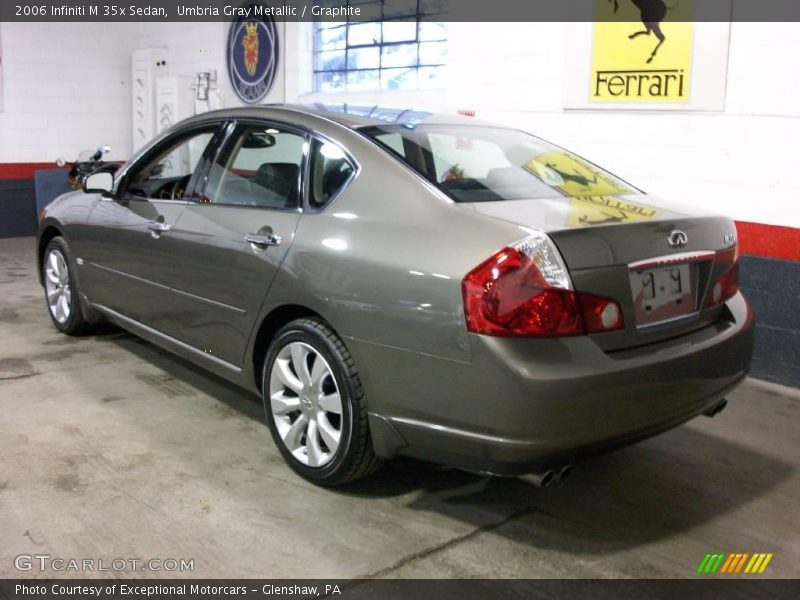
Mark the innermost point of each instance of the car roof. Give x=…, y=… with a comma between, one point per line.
x=352, y=116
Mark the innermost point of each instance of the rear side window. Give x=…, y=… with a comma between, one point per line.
x=331, y=171
x=260, y=167
x=393, y=141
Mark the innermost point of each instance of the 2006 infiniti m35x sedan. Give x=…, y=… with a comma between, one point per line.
x=406, y=283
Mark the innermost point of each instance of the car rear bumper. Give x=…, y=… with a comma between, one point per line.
x=523, y=404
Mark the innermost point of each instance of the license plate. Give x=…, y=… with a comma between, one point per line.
x=663, y=293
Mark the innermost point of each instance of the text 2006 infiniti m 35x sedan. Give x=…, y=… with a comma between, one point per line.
x=406, y=283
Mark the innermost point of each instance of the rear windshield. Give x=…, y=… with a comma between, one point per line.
x=487, y=164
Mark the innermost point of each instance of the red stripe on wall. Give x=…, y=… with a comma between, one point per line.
x=23, y=170
x=772, y=241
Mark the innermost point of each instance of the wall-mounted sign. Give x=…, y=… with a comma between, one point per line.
x=644, y=57
x=252, y=57
x=647, y=54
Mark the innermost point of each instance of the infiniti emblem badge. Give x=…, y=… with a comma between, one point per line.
x=678, y=238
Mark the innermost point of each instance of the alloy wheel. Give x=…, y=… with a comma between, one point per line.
x=306, y=404
x=57, y=286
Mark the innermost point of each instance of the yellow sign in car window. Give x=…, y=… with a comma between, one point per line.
x=573, y=176
x=642, y=52
x=594, y=195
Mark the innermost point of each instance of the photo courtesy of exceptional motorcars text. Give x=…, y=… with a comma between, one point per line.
x=399, y=299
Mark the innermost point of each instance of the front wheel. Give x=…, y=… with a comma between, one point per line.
x=61, y=289
x=315, y=406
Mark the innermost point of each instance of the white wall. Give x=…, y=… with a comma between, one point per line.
x=66, y=88
x=201, y=47
x=740, y=162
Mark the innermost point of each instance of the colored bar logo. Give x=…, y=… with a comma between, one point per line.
x=737, y=562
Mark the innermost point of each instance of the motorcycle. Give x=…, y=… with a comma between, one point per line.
x=88, y=162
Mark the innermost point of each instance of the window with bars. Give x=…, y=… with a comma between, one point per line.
x=404, y=48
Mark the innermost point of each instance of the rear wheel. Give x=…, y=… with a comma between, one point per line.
x=61, y=289
x=315, y=406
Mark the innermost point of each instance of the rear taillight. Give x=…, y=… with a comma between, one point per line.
x=728, y=283
x=524, y=290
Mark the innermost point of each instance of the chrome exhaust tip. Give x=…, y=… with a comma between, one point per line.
x=564, y=473
x=716, y=409
x=542, y=479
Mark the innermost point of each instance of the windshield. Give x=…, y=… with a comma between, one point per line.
x=486, y=164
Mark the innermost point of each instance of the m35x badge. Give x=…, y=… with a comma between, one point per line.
x=729, y=239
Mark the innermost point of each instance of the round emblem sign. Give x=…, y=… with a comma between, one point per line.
x=252, y=57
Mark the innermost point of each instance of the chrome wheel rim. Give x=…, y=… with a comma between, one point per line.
x=306, y=405
x=57, y=286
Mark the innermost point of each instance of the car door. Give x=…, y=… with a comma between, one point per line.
x=234, y=235
x=129, y=244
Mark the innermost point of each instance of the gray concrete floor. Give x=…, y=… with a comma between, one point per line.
x=111, y=448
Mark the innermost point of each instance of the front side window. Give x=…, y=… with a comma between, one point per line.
x=259, y=167
x=404, y=48
x=486, y=164
x=331, y=170
x=167, y=174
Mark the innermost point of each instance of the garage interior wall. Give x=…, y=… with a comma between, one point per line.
x=67, y=87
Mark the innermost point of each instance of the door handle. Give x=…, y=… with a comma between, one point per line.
x=159, y=226
x=263, y=240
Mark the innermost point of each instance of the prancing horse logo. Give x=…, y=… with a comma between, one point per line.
x=678, y=238
x=652, y=13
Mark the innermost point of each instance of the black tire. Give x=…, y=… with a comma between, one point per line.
x=76, y=323
x=354, y=457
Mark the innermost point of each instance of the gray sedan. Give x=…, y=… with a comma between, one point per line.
x=406, y=283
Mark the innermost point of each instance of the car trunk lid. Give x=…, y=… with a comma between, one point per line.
x=660, y=265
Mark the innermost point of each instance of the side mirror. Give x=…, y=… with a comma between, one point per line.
x=99, y=183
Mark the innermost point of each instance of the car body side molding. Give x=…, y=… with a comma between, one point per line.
x=162, y=339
